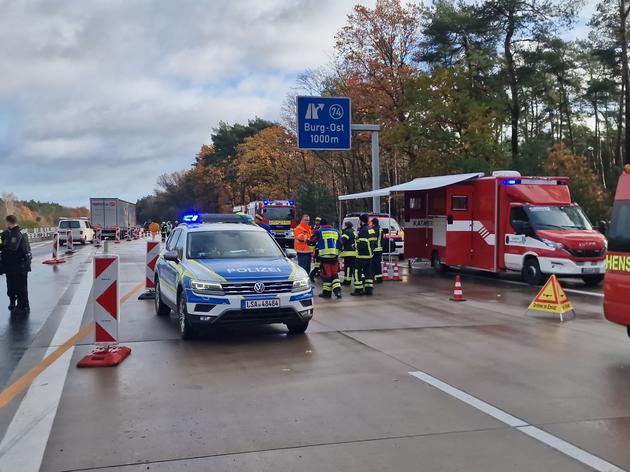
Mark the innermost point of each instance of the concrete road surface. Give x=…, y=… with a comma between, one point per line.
x=404, y=381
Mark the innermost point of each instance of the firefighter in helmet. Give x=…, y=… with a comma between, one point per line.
x=313, y=243
x=348, y=252
x=366, y=242
x=328, y=247
x=377, y=259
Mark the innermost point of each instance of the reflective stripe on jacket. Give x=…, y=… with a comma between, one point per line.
x=348, y=247
x=328, y=242
x=366, y=240
x=378, y=232
x=302, y=234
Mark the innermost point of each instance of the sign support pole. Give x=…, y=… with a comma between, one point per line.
x=376, y=162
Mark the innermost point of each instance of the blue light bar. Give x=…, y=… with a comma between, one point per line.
x=191, y=218
x=291, y=202
x=510, y=182
x=266, y=202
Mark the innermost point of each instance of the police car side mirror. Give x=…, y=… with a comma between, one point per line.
x=171, y=256
x=290, y=253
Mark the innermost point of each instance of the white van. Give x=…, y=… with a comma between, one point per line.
x=82, y=230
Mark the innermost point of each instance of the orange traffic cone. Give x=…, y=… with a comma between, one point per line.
x=458, y=292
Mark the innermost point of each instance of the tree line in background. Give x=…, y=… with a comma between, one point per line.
x=33, y=214
x=456, y=87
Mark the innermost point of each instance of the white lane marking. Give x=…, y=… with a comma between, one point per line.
x=24, y=443
x=472, y=401
x=569, y=449
x=550, y=440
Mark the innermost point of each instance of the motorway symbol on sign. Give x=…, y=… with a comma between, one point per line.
x=324, y=123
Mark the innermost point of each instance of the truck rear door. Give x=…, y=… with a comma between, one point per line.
x=459, y=225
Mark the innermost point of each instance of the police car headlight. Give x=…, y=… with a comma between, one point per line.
x=553, y=244
x=301, y=285
x=206, y=288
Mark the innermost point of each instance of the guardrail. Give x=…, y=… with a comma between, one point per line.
x=35, y=234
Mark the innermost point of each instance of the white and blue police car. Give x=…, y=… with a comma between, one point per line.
x=221, y=269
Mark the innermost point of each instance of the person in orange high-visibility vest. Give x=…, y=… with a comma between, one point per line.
x=302, y=234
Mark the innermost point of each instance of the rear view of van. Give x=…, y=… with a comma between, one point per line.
x=82, y=231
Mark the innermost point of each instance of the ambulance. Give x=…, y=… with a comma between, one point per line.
x=617, y=281
x=502, y=223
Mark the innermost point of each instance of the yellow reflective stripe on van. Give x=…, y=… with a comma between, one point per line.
x=210, y=271
x=293, y=271
x=618, y=262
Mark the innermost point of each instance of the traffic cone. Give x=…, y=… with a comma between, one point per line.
x=458, y=292
x=396, y=276
x=385, y=271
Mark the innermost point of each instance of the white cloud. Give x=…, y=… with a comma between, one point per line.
x=100, y=97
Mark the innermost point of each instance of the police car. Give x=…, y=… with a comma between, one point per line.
x=229, y=271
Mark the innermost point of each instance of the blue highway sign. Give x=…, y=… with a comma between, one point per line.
x=324, y=123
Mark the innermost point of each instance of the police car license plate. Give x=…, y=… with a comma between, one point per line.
x=590, y=270
x=264, y=303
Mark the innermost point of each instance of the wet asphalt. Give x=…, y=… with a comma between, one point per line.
x=340, y=397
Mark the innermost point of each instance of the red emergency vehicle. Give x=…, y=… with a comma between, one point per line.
x=280, y=215
x=617, y=282
x=505, y=222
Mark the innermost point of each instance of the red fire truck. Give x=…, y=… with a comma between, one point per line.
x=279, y=214
x=617, y=282
x=501, y=223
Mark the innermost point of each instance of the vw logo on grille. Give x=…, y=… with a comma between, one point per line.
x=259, y=287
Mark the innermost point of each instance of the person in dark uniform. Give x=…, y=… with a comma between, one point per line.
x=15, y=257
x=348, y=252
x=313, y=243
x=366, y=242
x=377, y=259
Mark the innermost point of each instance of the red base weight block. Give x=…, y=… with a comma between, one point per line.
x=53, y=261
x=107, y=356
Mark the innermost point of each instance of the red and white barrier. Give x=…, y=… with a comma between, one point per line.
x=117, y=236
x=98, y=236
x=55, y=252
x=106, y=307
x=69, y=242
x=153, y=252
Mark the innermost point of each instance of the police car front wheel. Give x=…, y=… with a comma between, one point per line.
x=161, y=309
x=186, y=331
x=297, y=327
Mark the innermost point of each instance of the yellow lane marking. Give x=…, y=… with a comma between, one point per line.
x=27, y=379
x=131, y=292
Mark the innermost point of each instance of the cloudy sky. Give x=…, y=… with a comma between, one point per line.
x=99, y=97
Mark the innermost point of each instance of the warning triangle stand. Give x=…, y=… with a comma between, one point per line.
x=552, y=299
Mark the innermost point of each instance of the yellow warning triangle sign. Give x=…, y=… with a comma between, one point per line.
x=551, y=298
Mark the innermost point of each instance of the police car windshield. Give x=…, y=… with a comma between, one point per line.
x=557, y=217
x=231, y=245
x=619, y=232
x=279, y=213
